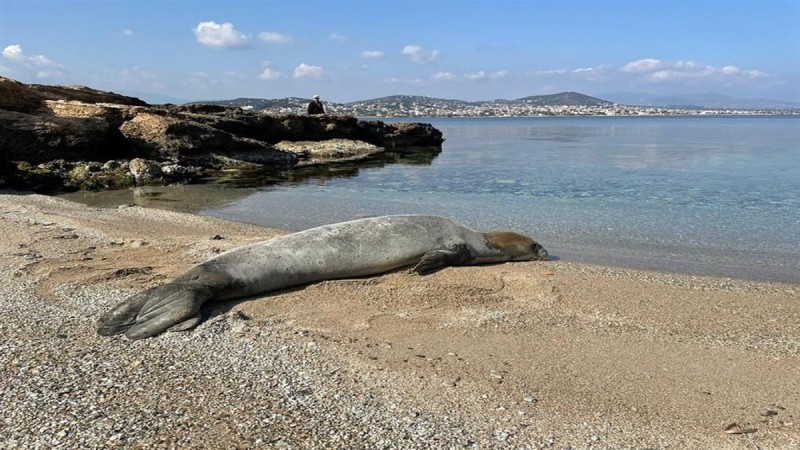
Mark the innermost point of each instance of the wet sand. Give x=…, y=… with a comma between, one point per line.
x=519, y=355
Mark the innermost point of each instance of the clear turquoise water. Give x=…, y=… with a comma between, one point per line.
x=702, y=195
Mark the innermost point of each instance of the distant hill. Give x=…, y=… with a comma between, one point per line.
x=408, y=100
x=564, y=99
x=560, y=99
x=699, y=101
x=260, y=103
x=563, y=103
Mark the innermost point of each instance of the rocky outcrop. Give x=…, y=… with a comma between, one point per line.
x=81, y=138
x=320, y=152
x=28, y=98
x=38, y=138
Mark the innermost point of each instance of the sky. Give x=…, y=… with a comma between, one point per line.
x=356, y=50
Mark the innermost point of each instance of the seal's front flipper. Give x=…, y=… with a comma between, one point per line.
x=437, y=259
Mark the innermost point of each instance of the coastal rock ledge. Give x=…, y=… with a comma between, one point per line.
x=74, y=137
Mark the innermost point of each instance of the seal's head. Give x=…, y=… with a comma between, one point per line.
x=516, y=247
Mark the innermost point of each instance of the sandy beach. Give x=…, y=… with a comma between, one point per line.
x=518, y=355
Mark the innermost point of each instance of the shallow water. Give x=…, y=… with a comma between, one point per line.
x=703, y=195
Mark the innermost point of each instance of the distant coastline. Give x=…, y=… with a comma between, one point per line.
x=563, y=104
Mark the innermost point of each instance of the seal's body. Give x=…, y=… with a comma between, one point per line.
x=343, y=250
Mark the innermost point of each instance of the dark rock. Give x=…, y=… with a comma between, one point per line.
x=55, y=137
x=177, y=172
x=412, y=135
x=27, y=98
x=144, y=171
x=15, y=96
x=321, y=152
x=163, y=137
x=37, y=138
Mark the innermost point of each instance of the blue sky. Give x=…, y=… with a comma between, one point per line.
x=354, y=50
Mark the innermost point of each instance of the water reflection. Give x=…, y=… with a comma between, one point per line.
x=184, y=198
x=562, y=134
x=320, y=173
x=414, y=156
x=216, y=193
x=631, y=143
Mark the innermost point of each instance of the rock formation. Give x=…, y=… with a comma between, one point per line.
x=55, y=137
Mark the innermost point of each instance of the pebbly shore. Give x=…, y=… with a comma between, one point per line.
x=521, y=355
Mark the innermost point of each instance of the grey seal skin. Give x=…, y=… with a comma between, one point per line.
x=343, y=250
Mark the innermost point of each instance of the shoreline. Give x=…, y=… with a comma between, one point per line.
x=519, y=355
x=294, y=209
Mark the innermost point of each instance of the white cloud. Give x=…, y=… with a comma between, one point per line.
x=336, y=37
x=40, y=65
x=215, y=35
x=270, y=74
x=735, y=71
x=474, y=76
x=657, y=71
x=601, y=69
x=691, y=66
x=372, y=54
x=471, y=76
x=307, y=70
x=443, y=76
x=127, y=32
x=643, y=65
x=274, y=37
x=49, y=73
x=419, y=55
x=413, y=81
x=753, y=74
x=13, y=52
x=549, y=72
x=41, y=61
x=678, y=73
x=594, y=74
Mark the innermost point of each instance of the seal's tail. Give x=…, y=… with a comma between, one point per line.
x=174, y=306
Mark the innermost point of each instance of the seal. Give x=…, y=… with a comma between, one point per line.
x=343, y=250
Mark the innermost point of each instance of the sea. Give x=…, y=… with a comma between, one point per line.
x=702, y=195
